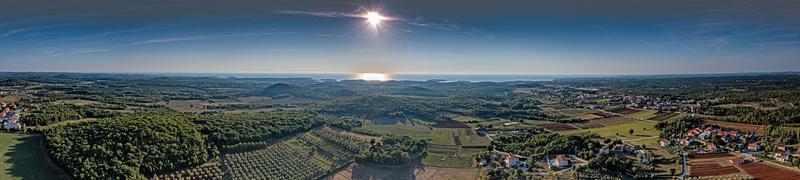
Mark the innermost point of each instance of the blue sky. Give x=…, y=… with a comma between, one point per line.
x=442, y=37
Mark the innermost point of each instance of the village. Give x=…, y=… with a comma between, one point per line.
x=10, y=117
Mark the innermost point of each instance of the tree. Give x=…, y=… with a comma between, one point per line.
x=672, y=171
x=630, y=131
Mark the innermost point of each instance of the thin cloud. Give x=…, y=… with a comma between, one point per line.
x=197, y=38
x=329, y=14
x=81, y=51
x=24, y=30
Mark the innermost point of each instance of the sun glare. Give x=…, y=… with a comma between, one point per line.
x=374, y=18
x=373, y=76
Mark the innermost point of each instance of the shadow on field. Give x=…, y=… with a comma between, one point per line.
x=27, y=161
x=380, y=172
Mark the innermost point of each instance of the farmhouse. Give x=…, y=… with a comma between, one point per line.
x=782, y=157
x=558, y=161
x=664, y=142
x=514, y=161
x=753, y=147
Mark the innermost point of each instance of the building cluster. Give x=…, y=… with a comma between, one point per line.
x=10, y=117
x=554, y=162
x=710, y=136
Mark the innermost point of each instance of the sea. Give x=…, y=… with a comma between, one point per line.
x=399, y=77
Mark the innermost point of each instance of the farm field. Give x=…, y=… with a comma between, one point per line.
x=764, y=171
x=23, y=157
x=644, y=114
x=642, y=129
x=558, y=127
x=400, y=128
x=742, y=127
x=713, y=167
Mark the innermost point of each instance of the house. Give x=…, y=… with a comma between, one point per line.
x=782, y=157
x=664, y=142
x=514, y=161
x=781, y=147
x=558, y=161
x=753, y=147
x=686, y=140
x=643, y=156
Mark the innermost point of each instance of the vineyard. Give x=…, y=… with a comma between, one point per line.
x=306, y=156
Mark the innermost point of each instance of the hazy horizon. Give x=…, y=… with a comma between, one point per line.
x=573, y=37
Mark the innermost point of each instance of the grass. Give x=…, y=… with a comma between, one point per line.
x=24, y=158
x=455, y=158
x=642, y=129
x=645, y=114
x=400, y=128
x=78, y=102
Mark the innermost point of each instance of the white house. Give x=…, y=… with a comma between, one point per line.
x=664, y=142
x=514, y=161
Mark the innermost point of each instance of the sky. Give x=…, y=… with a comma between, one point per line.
x=613, y=37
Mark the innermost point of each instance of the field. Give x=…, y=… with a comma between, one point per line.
x=77, y=102
x=591, y=116
x=307, y=156
x=448, y=145
x=25, y=158
x=357, y=171
x=644, y=114
x=711, y=168
x=558, y=127
x=558, y=111
x=450, y=156
x=610, y=121
x=742, y=127
x=642, y=129
x=625, y=111
x=710, y=155
x=764, y=171
x=407, y=128
x=661, y=116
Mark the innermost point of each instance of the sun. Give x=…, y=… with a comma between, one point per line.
x=373, y=76
x=374, y=18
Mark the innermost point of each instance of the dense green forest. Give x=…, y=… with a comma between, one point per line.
x=233, y=128
x=129, y=146
x=393, y=150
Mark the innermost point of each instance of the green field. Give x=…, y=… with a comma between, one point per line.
x=24, y=158
x=642, y=129
x=645, y=114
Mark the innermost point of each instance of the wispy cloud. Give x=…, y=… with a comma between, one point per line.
x=207, y=37
x=29, y=29
x=329, y=14
x=80, y=51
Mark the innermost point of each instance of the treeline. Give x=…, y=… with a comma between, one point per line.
x=385, y=106
x=54, y=113
x=346, y=123
x=541, y=145
x=233, y=128
x=392, y=150
x=130, y=146
x=780, y=116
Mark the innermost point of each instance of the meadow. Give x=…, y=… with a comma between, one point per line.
x=23, y=157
